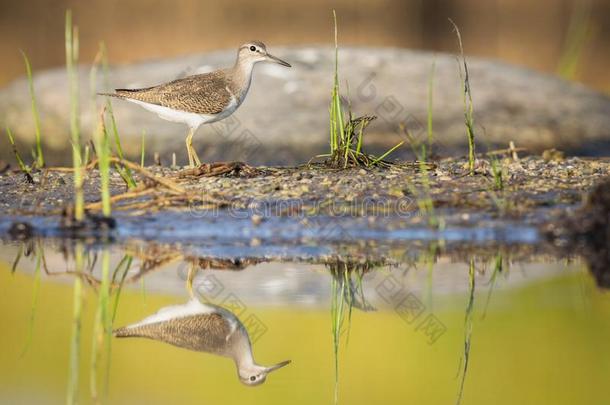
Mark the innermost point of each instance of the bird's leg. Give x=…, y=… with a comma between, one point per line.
x=193, y=158
x=189, y=146
x=189, y=279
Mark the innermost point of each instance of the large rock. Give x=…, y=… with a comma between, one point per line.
x=285, y=116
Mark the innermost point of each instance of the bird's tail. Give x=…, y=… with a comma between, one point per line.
x=123, y=93
x=126, y=332
x=117, y=95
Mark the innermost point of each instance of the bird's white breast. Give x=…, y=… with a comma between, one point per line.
x=193, y=120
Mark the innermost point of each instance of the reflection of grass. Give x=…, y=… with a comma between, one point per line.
x=429, y=258
x=122, y=268
x=35, y=289
x=17, y=259
x=346, y=293
x=383, y=340
x=337, y=314
x=467, y=329
x=103, y=327
x=498, y=269
x=75, y=341
x=104, y=317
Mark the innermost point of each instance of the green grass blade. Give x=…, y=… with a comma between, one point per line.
x=380, y=158
x=71, y=44
x=579, y=34
x=39, y=154
x=360, y=132
x=431, y=103
x=467, y=100
x=124, y=172
x=20, y=161
x=142, y=148
x=103, y=153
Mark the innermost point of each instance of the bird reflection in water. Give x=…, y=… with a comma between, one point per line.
x=205, y=328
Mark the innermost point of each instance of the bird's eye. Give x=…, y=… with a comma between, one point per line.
x=253, y=48
x=253, y=377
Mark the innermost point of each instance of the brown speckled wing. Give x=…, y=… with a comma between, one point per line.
x=201, y=94
x=204, y=332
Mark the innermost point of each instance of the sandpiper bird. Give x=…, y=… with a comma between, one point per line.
x=204, y=98
x=206, y=328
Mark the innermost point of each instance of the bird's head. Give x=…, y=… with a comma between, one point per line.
x=254, y=374
x=256, y=51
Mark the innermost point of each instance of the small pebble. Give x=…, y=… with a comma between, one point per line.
x=256, y=219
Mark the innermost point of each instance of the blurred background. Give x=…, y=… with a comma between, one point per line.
x=569, y=37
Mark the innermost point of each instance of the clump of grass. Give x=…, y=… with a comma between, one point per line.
x=346, y=133
x=71, y=43
x=467, y=99
x=38, y=155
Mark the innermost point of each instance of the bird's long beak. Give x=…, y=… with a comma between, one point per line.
x=278, y=365
x=272, y=58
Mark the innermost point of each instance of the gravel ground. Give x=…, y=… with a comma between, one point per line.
x=530, y=184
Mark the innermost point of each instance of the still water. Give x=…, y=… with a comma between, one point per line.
x=409, y=326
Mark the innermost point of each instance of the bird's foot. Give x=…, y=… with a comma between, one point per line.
x=239, y=169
